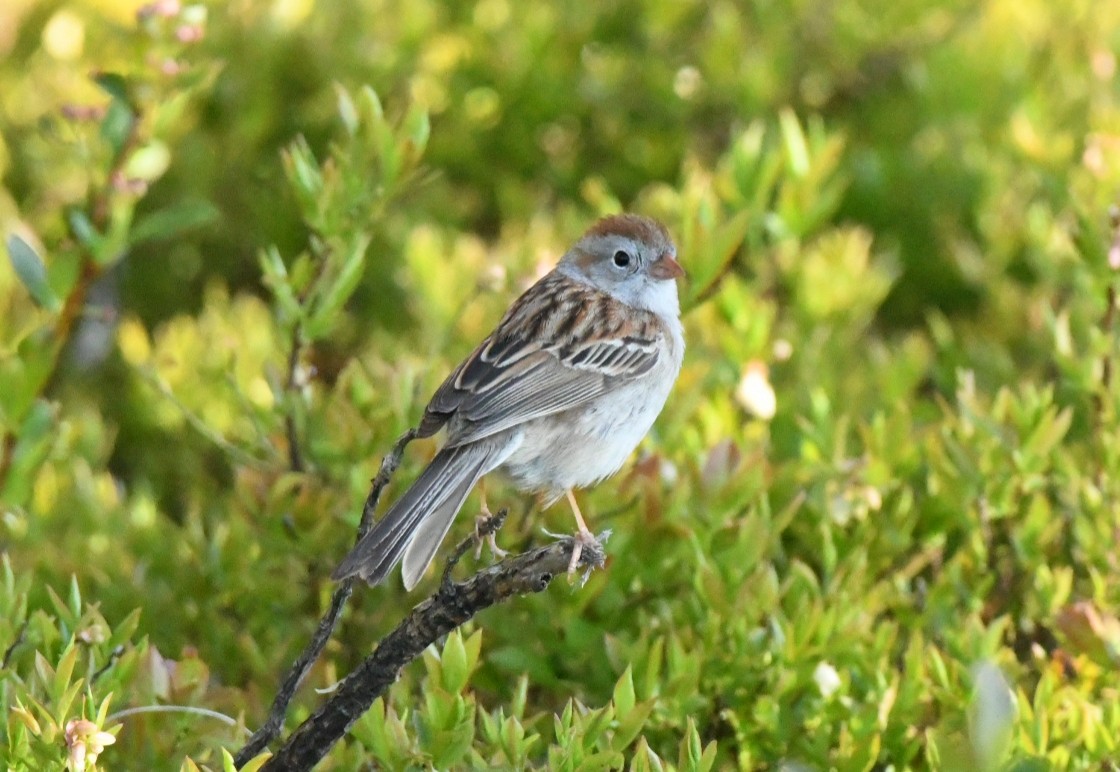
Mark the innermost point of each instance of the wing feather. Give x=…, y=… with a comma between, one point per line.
x=561, y=344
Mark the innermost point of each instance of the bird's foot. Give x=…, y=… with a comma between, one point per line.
x=587, y=551
x=485, y=533
x=583, y=538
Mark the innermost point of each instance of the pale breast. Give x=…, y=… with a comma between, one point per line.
x=589, y=443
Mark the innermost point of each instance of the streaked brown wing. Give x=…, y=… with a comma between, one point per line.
x=559, y=346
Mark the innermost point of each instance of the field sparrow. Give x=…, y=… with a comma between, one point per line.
x=556, y=397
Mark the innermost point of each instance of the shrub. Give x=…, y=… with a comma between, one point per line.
x=875, y=526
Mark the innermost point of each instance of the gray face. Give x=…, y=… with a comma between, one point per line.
x=629, y=257
x=614, y=261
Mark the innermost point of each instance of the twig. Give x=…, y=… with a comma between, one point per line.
x=384, y=474
x=1110, y=296
x=89, y=271
x=487, y=527
x=272, y=725
x=153, y=379
x=114, y=655
x=295, y=455
x=451, y=606
x=205, y=712
x=12, y=648
x=99, y=206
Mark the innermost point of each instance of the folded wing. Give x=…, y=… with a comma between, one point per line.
x=561, y=345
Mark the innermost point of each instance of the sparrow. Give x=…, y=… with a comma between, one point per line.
x=556, y=397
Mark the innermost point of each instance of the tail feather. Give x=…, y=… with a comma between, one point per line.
x=440, y=489
x=430, y=532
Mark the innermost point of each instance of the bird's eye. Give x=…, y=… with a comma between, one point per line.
x=621, y=258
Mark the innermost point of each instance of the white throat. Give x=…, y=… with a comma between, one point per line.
x=658, y=296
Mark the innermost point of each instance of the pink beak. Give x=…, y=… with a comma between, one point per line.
x=666, y=267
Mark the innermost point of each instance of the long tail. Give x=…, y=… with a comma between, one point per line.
x=420, y=517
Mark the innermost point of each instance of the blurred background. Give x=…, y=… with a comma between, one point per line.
x=247, y=239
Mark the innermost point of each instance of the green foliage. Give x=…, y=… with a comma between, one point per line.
x=875, y=526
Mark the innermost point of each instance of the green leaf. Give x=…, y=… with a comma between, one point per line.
x=64, y=670
x=44, y=670
x=276, y=278
x=340, y=289
x=645, y=760
x=388, y=152
x=103, y=710
x=75, y=599
x=34, y=440
x=26, y=718
x=81, y=227
x=347, y=110
x=624, y=697
x=255, y=763
x=370, y=106
x=793, y=137
x=520, y=696
x=116, y=126
x=174, y=221
x=303, y=172
x=1049, y=432
x=653, y=662
x=454, y=671
x=594, y=723
x=417, y=128
x=630, y=725
x=718, y=253
x=451, y=723
x=148, y=162
x=113, y=84
x=115, y=244
x=473, y=647
x=32, y=273
x=694, y=758
x=124, y=630
x=66, y=699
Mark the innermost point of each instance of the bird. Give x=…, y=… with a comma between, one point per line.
x=556, y=397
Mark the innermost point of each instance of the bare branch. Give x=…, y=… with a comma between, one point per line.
x=451, y=606
x=272, y=725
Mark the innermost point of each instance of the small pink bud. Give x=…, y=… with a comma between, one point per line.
x=171, y=67
x=188, y=33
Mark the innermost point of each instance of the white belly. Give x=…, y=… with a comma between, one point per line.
x=591, y=442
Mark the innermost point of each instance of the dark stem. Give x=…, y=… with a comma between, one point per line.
x=7, y=453
x=384, y=474
x=295, y=455
x=451, y=606
x=98, y=208
x=114, y=655
x=272, y=725
x=12, y=648
x=1108, y=320
x=1106, y=324
x=488, y=527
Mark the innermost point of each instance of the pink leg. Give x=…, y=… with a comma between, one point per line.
x=583, y=536
x=491, y=539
